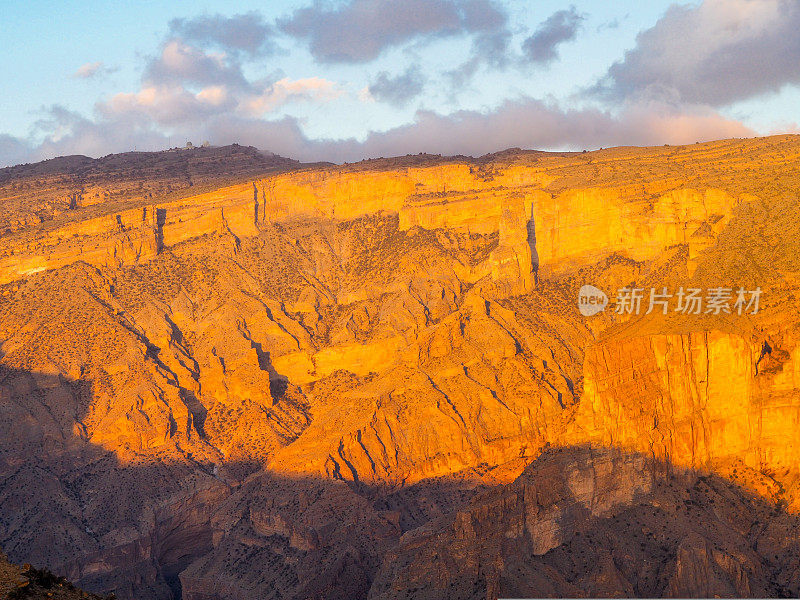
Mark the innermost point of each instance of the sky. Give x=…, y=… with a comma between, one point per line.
x=351, y=79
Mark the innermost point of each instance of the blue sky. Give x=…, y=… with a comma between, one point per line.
x=344, y=80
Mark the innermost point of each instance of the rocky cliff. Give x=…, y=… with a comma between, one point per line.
x=312, y=381
x=597, y=523
x=19, y=583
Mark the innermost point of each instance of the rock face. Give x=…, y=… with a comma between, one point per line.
x=29, y=582
x=581, y=522
x=293, y=381
x=53, y=190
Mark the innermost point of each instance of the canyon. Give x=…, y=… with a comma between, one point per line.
x=225, y=374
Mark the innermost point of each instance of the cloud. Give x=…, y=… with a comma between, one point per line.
x=93, y=70
x=398, y=90
x=167, y=105
x=244, y=33
x=715, y=53
x=174, y=105
x=364, y=96
x=185, y=84
x=525, y=123
x=785, y=127
x=531, y=123
x=62, y=132
x=490, y=48
x=560, y=27
x=287, y=90
x=180, y=63
x=612, y=23
x=195, y=85
x=13, y=150
x=360, y=30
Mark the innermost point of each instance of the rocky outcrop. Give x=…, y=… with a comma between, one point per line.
x=29, y=582
x=695, y=400
x=598, y=523
x=77, y=187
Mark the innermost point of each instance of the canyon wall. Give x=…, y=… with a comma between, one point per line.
x=316, y=378
x=536, y=228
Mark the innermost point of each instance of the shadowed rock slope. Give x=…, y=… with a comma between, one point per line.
x=26, y=582
x=582, y=522
x=309, y=381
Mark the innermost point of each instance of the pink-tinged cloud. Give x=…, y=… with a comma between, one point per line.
x=185, y=86
x=287, y=90
x=165, y=105
x=92, y=70
x=171, y=105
